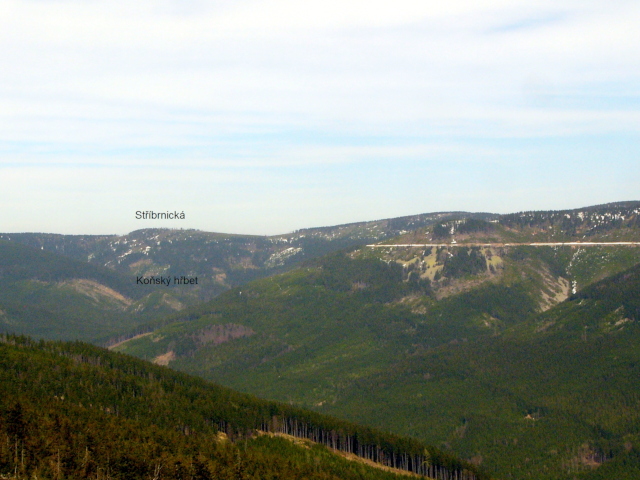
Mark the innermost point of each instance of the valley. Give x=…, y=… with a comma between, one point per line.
x=507, y=340
x=221, y=261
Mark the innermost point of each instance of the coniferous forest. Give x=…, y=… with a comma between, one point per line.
x=71, y=410
x=486, y=356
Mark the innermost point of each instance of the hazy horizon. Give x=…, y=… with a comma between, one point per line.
x=160, y=226
x=265, y=117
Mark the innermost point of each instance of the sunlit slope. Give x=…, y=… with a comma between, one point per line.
x=305, y=335
x=52, y=296
x=219, y=260
x=557, y=396
x=71, y=410
x=350, y=334
x=545, y=398
x=346, y=315
x=453, y=267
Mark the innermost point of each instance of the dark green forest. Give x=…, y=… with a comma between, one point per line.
x=71, y=410
x=523, y=361
x=52, y=296
x=483, y=373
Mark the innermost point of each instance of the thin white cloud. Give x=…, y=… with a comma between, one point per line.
x=287, y=84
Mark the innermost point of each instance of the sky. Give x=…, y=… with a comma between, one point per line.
x=264, y=117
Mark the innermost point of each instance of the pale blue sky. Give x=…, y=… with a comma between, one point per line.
x=269, y=116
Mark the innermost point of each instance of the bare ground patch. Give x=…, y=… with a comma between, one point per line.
x=165, y=358
x=111, y=347
x=172, y=302
x=558, y=290
x=306, y=443
x=96, y=291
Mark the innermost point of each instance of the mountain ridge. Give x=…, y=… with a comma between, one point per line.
x=438, y=343
x=220, y=261
x=344, y=334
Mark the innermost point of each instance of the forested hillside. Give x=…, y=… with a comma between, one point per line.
x=475, y=252
x=554, y=397
x=220, y=261
x=395, y=337
x=521, y=359
x=77, y=411
x=52, y=296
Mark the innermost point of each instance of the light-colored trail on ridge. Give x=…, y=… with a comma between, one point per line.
x=533, y=244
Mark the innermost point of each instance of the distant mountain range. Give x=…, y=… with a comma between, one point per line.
x=220, y=261
x=105, y=299
x=402, y=343
x=519, y=359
